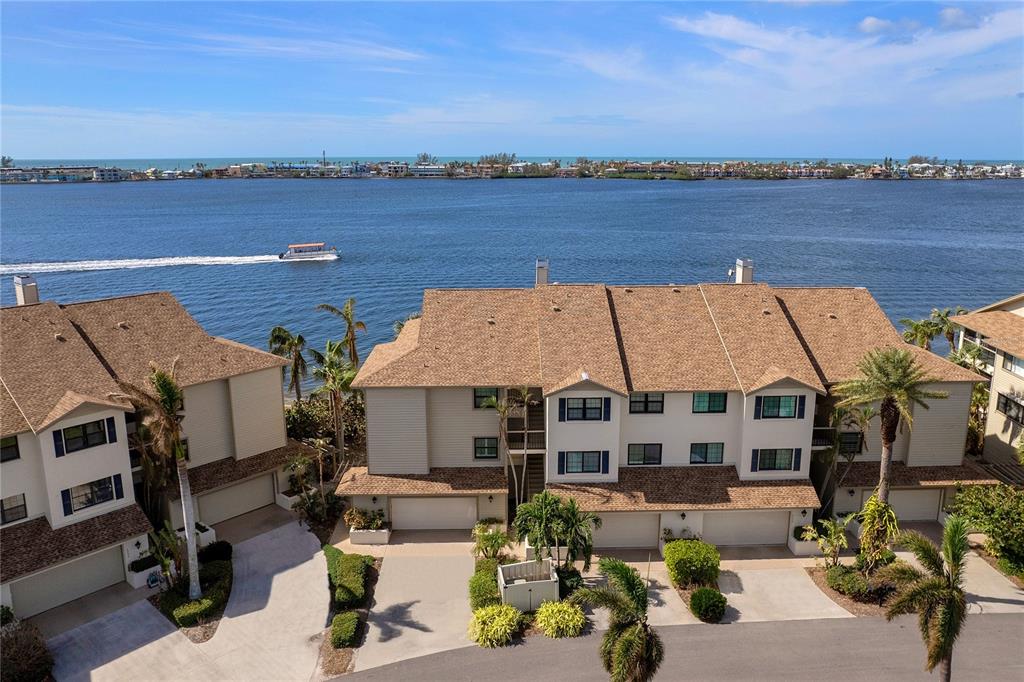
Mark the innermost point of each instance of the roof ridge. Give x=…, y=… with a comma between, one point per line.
x=619, y=343
x=15, y=401
x=62, y=306
x=721, y=339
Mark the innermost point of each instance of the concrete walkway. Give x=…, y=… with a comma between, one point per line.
x=421, y=602
x=278, y=605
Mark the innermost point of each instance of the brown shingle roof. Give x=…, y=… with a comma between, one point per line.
x=222, y=472
x=33, y=545
x=130, y=332
x=1005, y=330
x=865, y=475
x=47, y=368
x=441, y=481
x=685, y=488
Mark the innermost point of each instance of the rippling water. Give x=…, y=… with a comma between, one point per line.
x=915, y=245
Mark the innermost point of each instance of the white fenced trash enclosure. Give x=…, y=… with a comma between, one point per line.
x=526, y=585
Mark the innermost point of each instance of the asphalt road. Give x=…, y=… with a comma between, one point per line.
x=991, y=648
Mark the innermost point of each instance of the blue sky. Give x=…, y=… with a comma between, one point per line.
x=814, y=79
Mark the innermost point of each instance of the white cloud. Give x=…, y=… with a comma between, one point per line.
x=955, y=18
x=874, y=25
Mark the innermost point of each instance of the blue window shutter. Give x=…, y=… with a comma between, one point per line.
x=65, y=498
x=607, y=409
x=111, y=430
x=604, y=459
x=58, y=443
x=118, y=487
x=561, y=461
x=757, y=407
x=753, y=459
x=561, y=409
x=800, y=404
x=796, y=459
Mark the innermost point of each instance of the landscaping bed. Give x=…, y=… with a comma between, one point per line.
x=857, y=608
x=352, y=579
x=693, y=568
x=198, y=620
x=999, y=565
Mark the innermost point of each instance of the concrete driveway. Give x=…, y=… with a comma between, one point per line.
x=664, y=606
x=421, y=602
x=768, y=594
x=279, y=602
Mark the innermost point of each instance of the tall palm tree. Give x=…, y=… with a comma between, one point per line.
x=631, y=651
x=843, y=419
x=336, y=375
x=399, y=325
x=161, y=416
x=505, y=409
x=282, y=342
x=920, y=332
x=576, y=529
x=347, y=313
x=947, y=327
x=935, y=594
x=891, y=377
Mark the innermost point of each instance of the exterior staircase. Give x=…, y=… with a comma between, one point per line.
x=534, y=475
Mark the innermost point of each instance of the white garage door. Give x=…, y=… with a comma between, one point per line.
x=62, y=584
x=746, y=528
x=628, y=529
x=238, y=499
x=915, y=505
x=432, y=513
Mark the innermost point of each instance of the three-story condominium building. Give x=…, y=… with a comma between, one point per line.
x=998, y=329
x=690, y=408
x=71, y=524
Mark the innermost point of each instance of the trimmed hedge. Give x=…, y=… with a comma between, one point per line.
x=692, y=562
x=494, y=626
x=483, y=589
x=569, y=580
x=557, y=619
x=221, y=550
x=143, y=564
x=848, y=581
x=23, y=654
x=708, y=604
x=346, y=574
x=215, y=579
x=345, y=629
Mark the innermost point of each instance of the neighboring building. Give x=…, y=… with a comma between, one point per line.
x=428, y=170
x=109, y=175
x=693, y=408
x=394, y=169
x=998, y=329
x=71, y=524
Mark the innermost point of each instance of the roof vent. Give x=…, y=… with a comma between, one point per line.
x=490, y=320
x=833, y=316
x=675, y=290
x=628, y=290
x=766, y=311
x=556, y=309
x=122, y=325
x=59, y=337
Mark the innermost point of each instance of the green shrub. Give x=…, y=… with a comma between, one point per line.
x=848, y=581
x=886, y=557
x=996, y=511
x=6, y=615
x=143, y=563
x=494, y=626
x=569, y=580
x=215, y=578
x=345, y=629
x=1010, y=568
x=557, y=619
x=483, y=590
x=23, y=654
x=708, y=604
x=692, y=562
x=221, y=550
x=491, y=565
x=346, y=574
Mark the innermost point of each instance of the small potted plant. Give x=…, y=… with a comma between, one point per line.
x=204, y=534
x=367, y=527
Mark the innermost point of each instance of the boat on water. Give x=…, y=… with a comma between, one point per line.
x=310, y=251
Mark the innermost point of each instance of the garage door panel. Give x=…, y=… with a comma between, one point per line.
x=746, y=528
x=238, y=499
x=915, y=505
x=433, y=513
x=60, y=585
x=628, y=530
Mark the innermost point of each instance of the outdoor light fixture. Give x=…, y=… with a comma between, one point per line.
x=682, y=515
x=138, y=544
x=803, y=512
x=490, y=498
x=850, y=492
x=374, y=499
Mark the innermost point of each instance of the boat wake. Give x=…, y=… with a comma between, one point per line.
x=132, y=263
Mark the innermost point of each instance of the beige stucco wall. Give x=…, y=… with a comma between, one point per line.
x=678, y=427
x=257, y=412
x=25, y=476
x=453, y=423
x=496, y=507
x=1001, y=433
x=396, y=430
x=939, y=433
x=583, y=435
x=777, y=433
x=207, y=423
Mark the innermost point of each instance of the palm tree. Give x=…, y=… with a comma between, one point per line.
x=631, y=651
x=935, y=594
x=284, y=343
x=576, y=529
x=891, y=377
x=920, y=332
x=844, y=418
x=347, y=313
x=336, y=374
x=540, y=522
x=399, y=325
x=505, y=409
x=946, y=326
x=162, y=417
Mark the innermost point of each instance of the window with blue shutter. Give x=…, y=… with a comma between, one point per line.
x=111, y=430
x=753, y=458
x=607, y=410
x=757, y=408
x=118, y=487
x=800, y=405
x=561, y=409
x=796, y=459
x=561, y=462
x=65, y=498
x=58, y=445
x=604, y=460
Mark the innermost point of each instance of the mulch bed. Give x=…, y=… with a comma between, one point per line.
x=323, y=531
x=686, y=591
x=333, y=661
x=857, y=608
x=197, y=634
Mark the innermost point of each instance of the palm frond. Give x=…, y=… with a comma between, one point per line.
x=626, y=579
x=616, y=602
x=923, y=549
x=918, y=596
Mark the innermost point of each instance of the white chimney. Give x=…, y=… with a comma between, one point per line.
x=26, y=292
x=542, y=272
x=744, y=271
